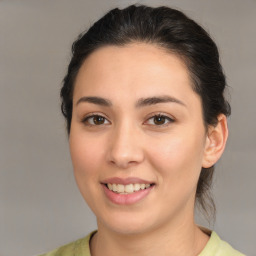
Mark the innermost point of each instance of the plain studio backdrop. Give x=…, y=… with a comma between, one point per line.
x=40, y=205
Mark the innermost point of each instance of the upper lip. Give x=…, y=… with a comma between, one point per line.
x=126, y=181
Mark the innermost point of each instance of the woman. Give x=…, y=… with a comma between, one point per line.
x=146, y=119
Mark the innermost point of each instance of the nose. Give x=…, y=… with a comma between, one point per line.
x=125, y=147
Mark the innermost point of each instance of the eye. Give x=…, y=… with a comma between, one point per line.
x=160, y=120
x=95, y=120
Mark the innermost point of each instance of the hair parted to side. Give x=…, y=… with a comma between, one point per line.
x=175, y=32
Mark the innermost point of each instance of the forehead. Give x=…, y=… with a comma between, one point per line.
x=136, y=56
x=135, y=69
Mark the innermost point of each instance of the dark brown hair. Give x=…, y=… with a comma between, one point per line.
x=175, y=32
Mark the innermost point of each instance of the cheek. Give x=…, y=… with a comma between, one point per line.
x=86, y=156
x=178, y=158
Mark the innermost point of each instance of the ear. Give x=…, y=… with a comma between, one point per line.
x=215, y=142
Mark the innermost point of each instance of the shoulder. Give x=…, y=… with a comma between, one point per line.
x=216, y=246
x=76, y=248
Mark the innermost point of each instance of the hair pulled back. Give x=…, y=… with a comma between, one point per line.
x=174, y=32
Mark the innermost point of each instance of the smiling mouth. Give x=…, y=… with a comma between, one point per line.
x=127, y=189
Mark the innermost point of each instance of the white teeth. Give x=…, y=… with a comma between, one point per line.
x=120, y=188
x=127, y=189
x=136, y=187
x=142, y=186
x=114, y=187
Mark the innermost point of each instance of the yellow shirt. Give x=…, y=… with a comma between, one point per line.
x=214, y=247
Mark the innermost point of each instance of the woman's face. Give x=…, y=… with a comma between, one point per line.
x=137, y=123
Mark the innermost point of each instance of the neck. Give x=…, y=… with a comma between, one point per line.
x=184, y=238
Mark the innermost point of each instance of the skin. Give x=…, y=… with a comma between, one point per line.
x=130, y=143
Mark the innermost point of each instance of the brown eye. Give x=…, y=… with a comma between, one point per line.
x=94, y=120
x=98, y=120
x=160, y=120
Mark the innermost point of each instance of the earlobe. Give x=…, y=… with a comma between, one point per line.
x=215, y=142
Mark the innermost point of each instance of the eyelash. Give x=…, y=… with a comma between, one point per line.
x=158, y=115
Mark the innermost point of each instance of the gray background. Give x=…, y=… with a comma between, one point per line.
x=40, y=206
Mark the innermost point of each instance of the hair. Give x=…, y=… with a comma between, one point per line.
x=173, y=31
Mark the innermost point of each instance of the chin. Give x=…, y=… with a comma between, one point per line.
x=128, y=223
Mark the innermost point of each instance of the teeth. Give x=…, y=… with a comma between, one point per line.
x=136, y=187
x=127, y=189
x=114, y=187
x=120, y=188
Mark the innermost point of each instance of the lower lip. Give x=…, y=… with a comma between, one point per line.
x=126, y=199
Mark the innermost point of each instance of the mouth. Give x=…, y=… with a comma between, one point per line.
x=127, y=189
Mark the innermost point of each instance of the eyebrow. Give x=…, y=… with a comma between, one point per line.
x=142, y=102
x=157, y=99
x=95, y=100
